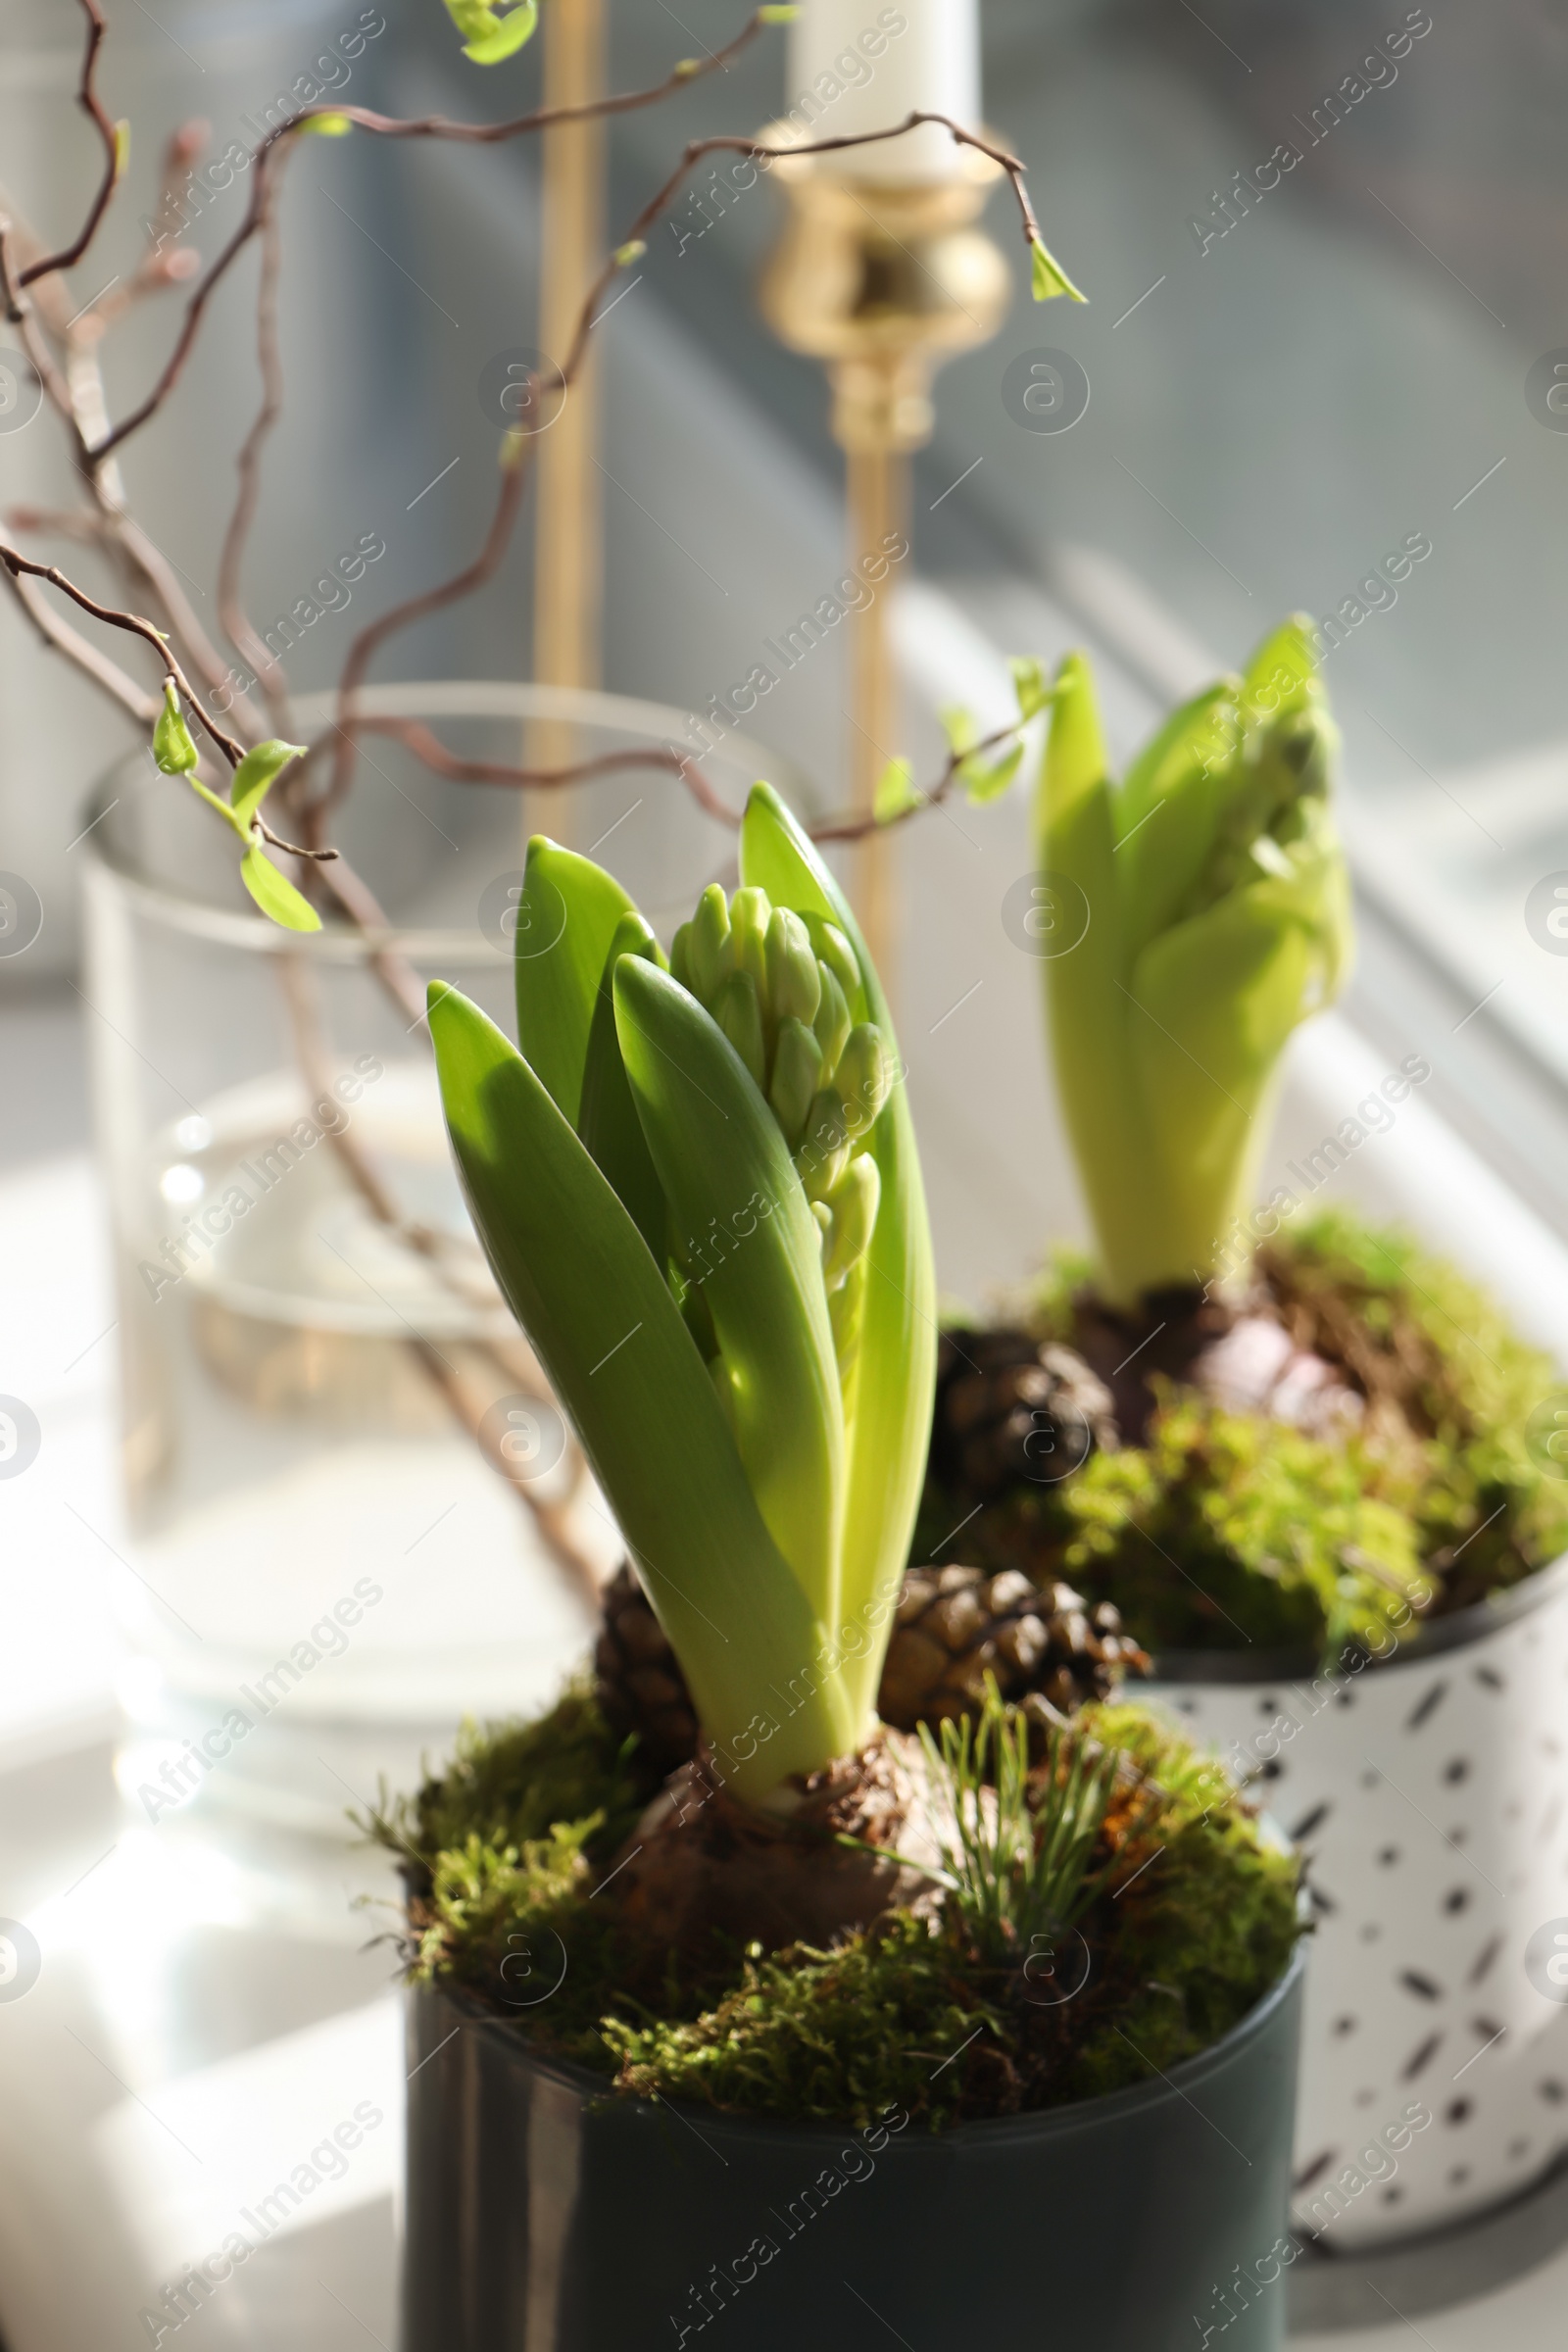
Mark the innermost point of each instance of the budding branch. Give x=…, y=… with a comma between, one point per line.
x=260, y=221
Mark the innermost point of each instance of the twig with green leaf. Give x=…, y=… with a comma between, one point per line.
x=969, y=764
x=59, y=337
x=174, y=754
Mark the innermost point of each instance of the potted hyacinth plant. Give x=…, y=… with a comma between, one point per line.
x=1027, y=1971
x=1293, y=1452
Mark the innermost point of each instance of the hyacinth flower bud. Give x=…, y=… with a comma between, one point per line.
x=1296, y=752
x=861, y=1077
x=825, y=1153
x=853, y=1203
x=708, y=942
x=836, y=952
x=750, y=911
x=832, y=1022
x=739, y=1014
x=1275, y=791
x=797, y=1076
x=794, y=983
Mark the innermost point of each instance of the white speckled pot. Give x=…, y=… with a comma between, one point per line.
x=1431, y=1794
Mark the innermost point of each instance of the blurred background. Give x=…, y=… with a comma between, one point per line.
x=1326, y=386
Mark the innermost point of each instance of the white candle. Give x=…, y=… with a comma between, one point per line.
x=856, y=65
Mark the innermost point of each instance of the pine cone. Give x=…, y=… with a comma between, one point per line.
x=1011, y=1409
x=954, y=1626
x=641, y=1686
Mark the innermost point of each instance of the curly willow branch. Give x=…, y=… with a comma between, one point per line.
x=518, y=450
x=25, y=577
x=388, y=126
x=22, y=566
x=92, y=106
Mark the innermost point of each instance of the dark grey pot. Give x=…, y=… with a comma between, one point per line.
x=544, y=2216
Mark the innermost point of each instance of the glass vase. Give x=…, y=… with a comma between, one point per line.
x=354, y=1516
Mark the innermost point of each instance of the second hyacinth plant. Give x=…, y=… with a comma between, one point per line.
x=1204, y=906
x=1240, y=1419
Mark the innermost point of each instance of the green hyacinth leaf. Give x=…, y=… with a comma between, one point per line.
x=746, y=1228
x=580, y=1280
x=1086, y=1002
x=1075, y=763
x=566, y=922
x=889, y=1391
x=607, y=1120
x=1282, y=674
x=1168, y=811
x=1205, y=733
x=276, y=895
x=1216, y=1000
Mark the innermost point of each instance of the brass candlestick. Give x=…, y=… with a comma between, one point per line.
x=883, y=282
x=567, y=537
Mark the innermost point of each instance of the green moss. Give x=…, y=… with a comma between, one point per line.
x=1278, y=1540
x=509, y=1784
x=501, y=1854
x=1439, y=1357
x=1226, y=1530
x=909, y=2016
x=496, y=1921
x=817, y=2036
x=1206, y=1929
